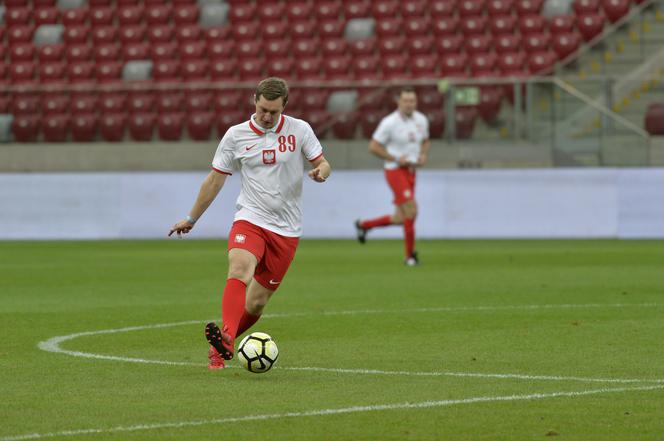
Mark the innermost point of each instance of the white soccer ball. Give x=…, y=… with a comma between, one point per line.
x=257, y=352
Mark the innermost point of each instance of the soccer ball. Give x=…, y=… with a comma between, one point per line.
x=257, y=352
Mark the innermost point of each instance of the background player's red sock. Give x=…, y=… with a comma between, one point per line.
x=232, y=304
x=409, y=236
x=382, y=221
x=247, y=321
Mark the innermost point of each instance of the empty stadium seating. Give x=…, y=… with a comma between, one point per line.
x=300, y=40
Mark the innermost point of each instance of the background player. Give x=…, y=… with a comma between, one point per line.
x=402, y=140
x=268, y=150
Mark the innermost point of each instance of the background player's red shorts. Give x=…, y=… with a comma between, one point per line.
x=402, y=183
x=273, y=251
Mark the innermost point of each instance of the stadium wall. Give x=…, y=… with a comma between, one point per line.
x=525, y=203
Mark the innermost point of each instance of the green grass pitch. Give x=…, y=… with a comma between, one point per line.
x=486, y=340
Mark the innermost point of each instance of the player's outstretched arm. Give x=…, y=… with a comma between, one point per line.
x=209, y=190
x=321, y=170
x=424, y=153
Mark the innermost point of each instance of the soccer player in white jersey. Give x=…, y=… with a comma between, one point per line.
x=268, y=152
x=402, y=140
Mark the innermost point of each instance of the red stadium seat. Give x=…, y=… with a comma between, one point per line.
x=22, y=52
x=429, y=99
x=508, y=43
x=249, y=49
x=420, y=44
x=300, y=10
x=366, y=68
x=190, y=32
x=195, y=70
x=303, y=29
x=25, y=103
x=345, y=126
x=140, y=102
x=274, y=29
x=541, y=63
x=499, y=7
x=250, y=30
x=473, y=25
x=415, y=26
x=277, y=49
x=102, y=16
x=490, y=102
x=280, y=67
x=388, y=27
x=326, y=10
x=228, y=119
x=81, y=72
x=104, y=34
x=218, y=33
x=394, y=66
x=243, y=12
x=478, y=44
x=590, y=26
x=166, y=70
x=330, y=28
x=18, y=16
x=424, y=66
x=615, y=9
x=502, y=24
x=224, y=69
x=109, y=72
x=42, y=3
x=442, y=8
x=483, y=64
x=192, y=50
x=141, y=126
x=83, y=103
x=313, y=100
x=527, y=7
x=55, y=102
x=79, y=52
x=465, y=122
x=224, y=49
x=198, y=101
x=132, y=34
x=337, y=67
x=583, y=7
x=75, y=16
x=136, y=51
x=55, y=127
x=562, y=24
x=16, y=3
x=532, y=24
x=112, y=126
x=454, y=65
x=160, y=33
x=471, y=8
x=169, y=126
x=21, y=72
x=536, y=43
x=308, y=68
x=47, y=16
x=566, y=44
x=413, y=8
x=252, y=69
x=76, y=34
x=96, y=3
x=20, y=34
x=451, y=44
x=83, y=127
x=334, y=46
x=227, y=100
x=391, y=45
x=384, y=9
x=52, y=72
x=163, y=51
x=369, y=120
x=107, y=52
x=112, y=102
x=51, y=52
x=26, y=128
x=199, y=125
x=318, y=119
x=363, y=47
x=130, y=15
x=357, y=9
x=654, y=118
x=169, y=101
x=158, y=14
x=184, y=14
x=436, y=123
x=307, y=47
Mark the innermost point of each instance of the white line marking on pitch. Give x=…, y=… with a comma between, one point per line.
x=53, y=345
x=325, y=412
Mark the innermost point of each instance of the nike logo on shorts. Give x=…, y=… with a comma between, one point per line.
x=272, y=282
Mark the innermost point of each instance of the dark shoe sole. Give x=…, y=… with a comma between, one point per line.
x=213, y=336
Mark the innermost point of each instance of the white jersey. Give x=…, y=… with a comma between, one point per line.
x=272, y=169
x=402, y=135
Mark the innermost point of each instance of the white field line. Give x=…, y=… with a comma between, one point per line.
x=53, y=345
x=325, y=412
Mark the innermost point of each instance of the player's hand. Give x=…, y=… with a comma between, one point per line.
x=404, y=162
x=421, y=160
x=317, y=175
x=182, y=227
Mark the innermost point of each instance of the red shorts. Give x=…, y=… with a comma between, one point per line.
x=273, y=251
x=402, y=183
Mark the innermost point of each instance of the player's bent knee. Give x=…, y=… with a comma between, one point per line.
x=240, y=270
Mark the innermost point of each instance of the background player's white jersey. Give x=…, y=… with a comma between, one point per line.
x=402, y=136
x=271, y=165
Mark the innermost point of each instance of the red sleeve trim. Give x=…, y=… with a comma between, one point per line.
x=222, y=172
x=316, y=158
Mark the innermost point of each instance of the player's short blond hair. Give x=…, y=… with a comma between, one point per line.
x=272, y=88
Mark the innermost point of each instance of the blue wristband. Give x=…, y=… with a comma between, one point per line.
x=191, y=220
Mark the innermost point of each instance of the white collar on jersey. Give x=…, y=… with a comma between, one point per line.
x=260, y=130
